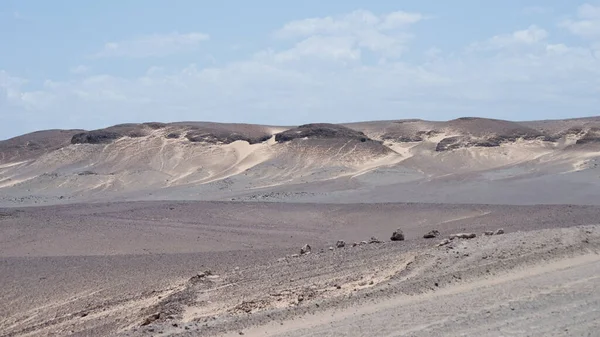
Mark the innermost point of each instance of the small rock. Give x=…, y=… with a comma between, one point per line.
x=295, y=255
x=463, y=236
x=444, y=242
x=488, y=233
x=305, y=249
x=151, y=319
x=340, y=244
x=355, y=244
x=432, y=234
x=363, y=242
x=398, y=235
x=330, y=248
x=499, y=231
x=337, y=286
x=283, y=259
x=374, y=240
x=371, y=283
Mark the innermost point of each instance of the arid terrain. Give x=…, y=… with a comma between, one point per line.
x=200, y=229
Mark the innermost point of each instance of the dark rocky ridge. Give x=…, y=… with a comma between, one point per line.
x=212, y=133
x=321, y=131
x=34, y=144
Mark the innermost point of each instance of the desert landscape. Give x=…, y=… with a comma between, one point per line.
x=467, y=227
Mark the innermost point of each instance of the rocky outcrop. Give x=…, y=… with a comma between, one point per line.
x=95, y=137
x=321, y=131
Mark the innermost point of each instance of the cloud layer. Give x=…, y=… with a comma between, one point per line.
x=337, y=68
x=157, y=45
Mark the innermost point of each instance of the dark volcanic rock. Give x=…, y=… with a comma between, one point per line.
x=398, y=235
x=197, y=136
x=432, y=234
x=449, y=143
x=591, y=136
x=321, y=131
x=172, y=135
x=95, y=137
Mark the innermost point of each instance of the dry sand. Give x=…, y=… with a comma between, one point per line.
x=106, y=269
x=194, y=229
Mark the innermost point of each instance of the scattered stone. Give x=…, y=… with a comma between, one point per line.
x=499, y=231
x=330, y=248
x=355, y=244
x=295, y=255
x=444, y=242
x=398, y=235
x=374, y=240
x=371, y=283
x=488, y=233
x=340, y=244
x=151, y=319
x=363, y=242
x=200, y=276
x=463, y=236
x=283, y=259
x=432, y=234
x=337, y=286
x=305, y=249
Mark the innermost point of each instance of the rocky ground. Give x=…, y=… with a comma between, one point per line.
x=196, y=269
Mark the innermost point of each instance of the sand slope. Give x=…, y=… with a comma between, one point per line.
x=399, y=161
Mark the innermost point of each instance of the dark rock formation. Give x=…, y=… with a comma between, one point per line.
x=321, y=131
x=432, y=234
x=398, y=235
x=95, y=137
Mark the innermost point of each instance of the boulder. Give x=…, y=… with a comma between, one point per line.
x=340, y=244
x=432, y=234
x=398, y=235
x=306, y=249
x=499, y=231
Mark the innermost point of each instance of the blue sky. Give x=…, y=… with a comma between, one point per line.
x=81, y=64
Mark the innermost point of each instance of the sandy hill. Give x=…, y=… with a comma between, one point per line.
x=383, y=160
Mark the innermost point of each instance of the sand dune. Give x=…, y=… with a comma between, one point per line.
x=229, y=161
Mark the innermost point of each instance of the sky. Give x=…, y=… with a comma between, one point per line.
x=88, y=65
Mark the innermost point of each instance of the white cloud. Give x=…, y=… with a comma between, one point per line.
x=384, y=34
x=79, y=70
x=587, y=11
x=557, y=48
x=156, y=45
x=320, y=47
x=526, y=37
x=587, y=24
